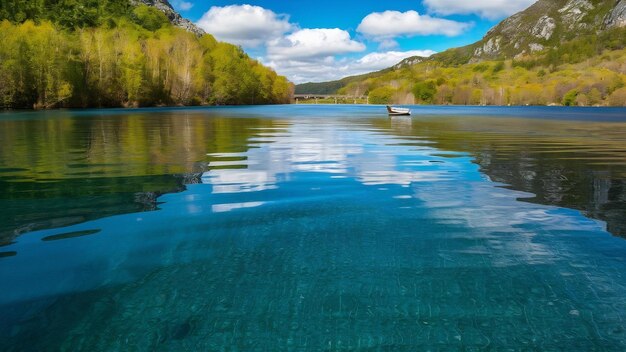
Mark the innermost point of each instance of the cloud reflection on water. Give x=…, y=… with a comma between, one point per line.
x=326, y=223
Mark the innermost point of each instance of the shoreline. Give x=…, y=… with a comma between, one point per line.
x=140, y=108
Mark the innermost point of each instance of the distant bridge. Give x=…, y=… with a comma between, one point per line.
x=335, y=97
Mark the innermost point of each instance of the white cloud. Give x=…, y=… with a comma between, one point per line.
x=313, y=43
x=387, y=44
x=390, y=24
x=492, y=9
x=329, y=68
x=378, y=61
x=245, y=25
x=182, y=5
x=314, y=54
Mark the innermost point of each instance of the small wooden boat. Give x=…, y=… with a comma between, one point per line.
x=394, y=111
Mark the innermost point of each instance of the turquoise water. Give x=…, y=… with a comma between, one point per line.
x=311, y=228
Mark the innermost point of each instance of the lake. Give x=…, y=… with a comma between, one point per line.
x=310, y=228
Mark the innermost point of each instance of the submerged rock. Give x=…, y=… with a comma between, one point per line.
x=147, y=199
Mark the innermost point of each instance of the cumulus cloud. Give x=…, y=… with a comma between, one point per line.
x=245, y=25
x=491, y=9
x=182, y=5
x=313, y=43
x=319, y=54
x=329, y=68
x=379, y=60
x=390, y=24
x=387, y=44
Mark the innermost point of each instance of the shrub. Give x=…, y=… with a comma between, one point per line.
x=569, y=98
x=425, y=91
x=149, y=18
x=618, y=98
x=381, y=95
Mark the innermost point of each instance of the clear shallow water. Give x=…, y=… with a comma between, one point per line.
x=313, y=228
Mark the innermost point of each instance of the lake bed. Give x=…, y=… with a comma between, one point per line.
x=313, y=228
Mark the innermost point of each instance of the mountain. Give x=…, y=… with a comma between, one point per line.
x=548, y=23
x=542, y=29
x=545, y=24
x=329, y=87
x=174, y=17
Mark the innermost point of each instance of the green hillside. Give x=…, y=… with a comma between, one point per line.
x=330, y=87
x=87, y=53
x=555, y=52
x=66, y=13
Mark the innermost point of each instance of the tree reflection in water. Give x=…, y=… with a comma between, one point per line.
x=572, y=164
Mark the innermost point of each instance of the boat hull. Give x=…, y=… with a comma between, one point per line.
x=398, y=111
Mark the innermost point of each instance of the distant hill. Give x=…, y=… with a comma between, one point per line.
x=548, y=33
x=330, y=87
x=110, y=53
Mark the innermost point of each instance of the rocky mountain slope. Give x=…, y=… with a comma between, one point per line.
x=174, y=17
x=545, y=24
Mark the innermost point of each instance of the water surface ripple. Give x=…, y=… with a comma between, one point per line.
x=313, y=228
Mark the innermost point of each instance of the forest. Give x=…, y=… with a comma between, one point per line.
x=110, y=54
x=589, y=70
x=599, y=81
x=595, y=82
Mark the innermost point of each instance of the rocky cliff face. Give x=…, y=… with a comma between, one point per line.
x=617, y=17
x=547, y=23
x=543, y=25
x=174, y=17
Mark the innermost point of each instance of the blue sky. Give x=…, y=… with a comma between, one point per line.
x=325, y=40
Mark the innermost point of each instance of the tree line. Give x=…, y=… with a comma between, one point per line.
x=596, y=81
x=589, y=70
x=138, y=59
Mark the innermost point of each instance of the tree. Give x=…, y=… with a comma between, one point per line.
x=381, y=95
x=226, y=88
x=424, y=92
x=618, y=97
x=595, y=97
x=149, y=17
x=187, y=55
x=570, y=97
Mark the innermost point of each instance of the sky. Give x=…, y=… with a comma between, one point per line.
x=322, y=40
